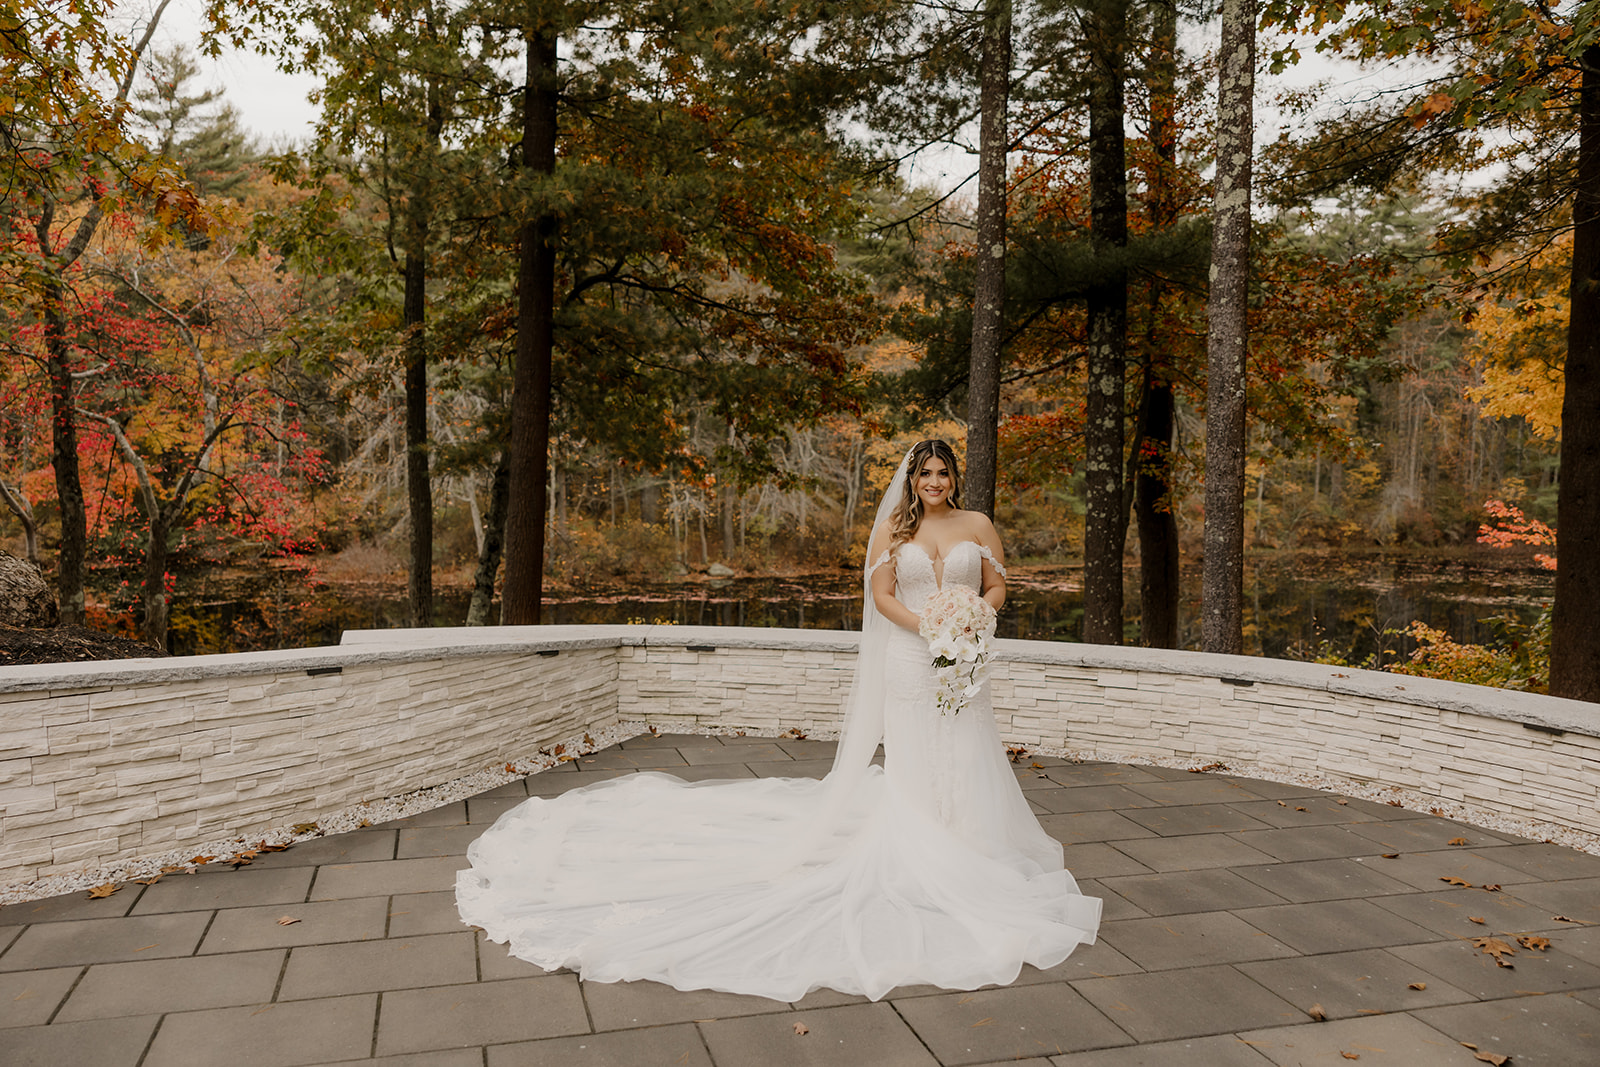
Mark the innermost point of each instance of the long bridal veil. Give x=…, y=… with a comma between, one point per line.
x=777, y=886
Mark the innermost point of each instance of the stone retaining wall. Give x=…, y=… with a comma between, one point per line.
x=105, y=761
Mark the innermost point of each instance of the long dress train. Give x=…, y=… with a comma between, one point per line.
x=930, y=870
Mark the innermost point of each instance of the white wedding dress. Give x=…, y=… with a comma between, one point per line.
x=931, y=869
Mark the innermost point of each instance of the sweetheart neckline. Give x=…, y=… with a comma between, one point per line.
x=937, y=565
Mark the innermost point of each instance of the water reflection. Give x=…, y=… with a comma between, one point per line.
x=1294, y=604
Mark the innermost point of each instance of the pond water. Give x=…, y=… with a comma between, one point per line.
x=1295, y=603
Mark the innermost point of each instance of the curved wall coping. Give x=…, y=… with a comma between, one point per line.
x=371, y=647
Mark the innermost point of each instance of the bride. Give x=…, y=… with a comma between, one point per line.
x=929, y=870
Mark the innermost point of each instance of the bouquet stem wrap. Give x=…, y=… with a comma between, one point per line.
x=958, y=625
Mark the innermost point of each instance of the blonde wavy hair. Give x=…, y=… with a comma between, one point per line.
x=907, y=514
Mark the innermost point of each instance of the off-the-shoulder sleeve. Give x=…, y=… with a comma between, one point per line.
x=880, y=561
x=986, y=554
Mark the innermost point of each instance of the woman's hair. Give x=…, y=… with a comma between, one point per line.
x=907, y=514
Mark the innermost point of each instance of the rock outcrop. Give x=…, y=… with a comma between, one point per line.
x=25, y=597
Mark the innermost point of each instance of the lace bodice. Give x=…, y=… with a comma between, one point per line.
x=915, y=577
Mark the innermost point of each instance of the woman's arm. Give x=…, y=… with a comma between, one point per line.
x=994, y=583
x=883, y=597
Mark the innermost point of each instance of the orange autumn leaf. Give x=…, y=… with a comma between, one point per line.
x=1418, y=986
x=1534, y=942
x=1456, y=841
x=100, y=892
x=1493, y=946
x=801, y=1029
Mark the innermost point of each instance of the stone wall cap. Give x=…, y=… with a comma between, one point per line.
x=360, y=648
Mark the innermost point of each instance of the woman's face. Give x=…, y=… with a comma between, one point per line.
x=933, y=482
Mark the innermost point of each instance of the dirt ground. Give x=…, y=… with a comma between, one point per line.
x=67, y=644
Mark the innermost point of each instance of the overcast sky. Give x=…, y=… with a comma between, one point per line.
x=275, y=108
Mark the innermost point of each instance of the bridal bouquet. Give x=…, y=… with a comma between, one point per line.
x=957, y=623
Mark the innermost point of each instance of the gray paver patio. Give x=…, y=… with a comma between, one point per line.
x=1230, y=914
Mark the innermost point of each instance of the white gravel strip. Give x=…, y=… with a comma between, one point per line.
x=398, y=807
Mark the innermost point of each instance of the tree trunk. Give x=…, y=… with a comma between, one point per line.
x=1155, y=516
x=17, y=501
x=153, y=592
x=1106, y=521
x=64, y=457
x=1222, y=580
x=530, y=396
x=494, y=535
x=1575, y=622
x=419, y=487
x=989, y=275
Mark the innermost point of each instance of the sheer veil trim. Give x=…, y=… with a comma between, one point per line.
x=862, y=729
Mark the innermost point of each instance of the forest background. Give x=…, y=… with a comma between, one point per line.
x=303, y=360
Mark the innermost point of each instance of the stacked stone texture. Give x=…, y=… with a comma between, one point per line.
x=171, y=753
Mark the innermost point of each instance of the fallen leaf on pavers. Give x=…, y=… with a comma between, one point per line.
x=1532, y=941
x=1016, y=754
x=243, y=859
x=100, y=892
x=1456, y=841
x=1300, y=809
x=1340, y=801
x=152, y=880
x=305, y=827
x=273, y=848
x=1037, y=766
x=201, y=861
x=1495, y=947
x=1316, y=1012
x=1350, y=1055
x=1281, y=804
x=1564, y=919
x=173, y=868
x=1490, y=887
x=801, y=1029
x=1418, y=986
x=1492, y=1057
x=1476, y=919
x=1455, y=881
x=287, y=920
x=1390, y=855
